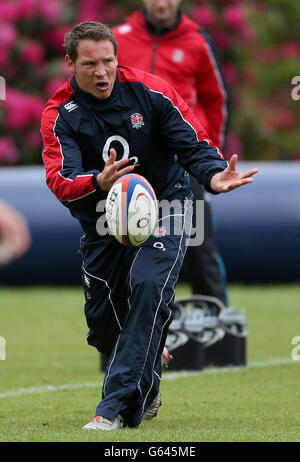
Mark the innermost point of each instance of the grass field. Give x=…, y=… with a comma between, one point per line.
x=50, y=380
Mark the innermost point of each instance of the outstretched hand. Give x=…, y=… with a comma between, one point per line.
x=111, y=172
x=230, y=179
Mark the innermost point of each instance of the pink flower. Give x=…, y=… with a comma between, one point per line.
x=9, y=11
x=36, y=108
x=234, y=17
x=8, y=35
x=15, y=109
x=97, y=10
x=89, y=10
x=16, y=121
x=49, y=11
x=9, y=154
x=33, y=53
x=205, y=15
x=21, y=109
x=28, y=8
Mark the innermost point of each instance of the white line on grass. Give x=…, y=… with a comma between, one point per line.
x=167, y=376
x=222, y=370
x=45, y=389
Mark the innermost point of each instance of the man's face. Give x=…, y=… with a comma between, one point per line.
x=95, y=67
x=162, y=12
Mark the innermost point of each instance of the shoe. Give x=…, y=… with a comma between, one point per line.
x=101, y=423
x=153, y=408
x=156, y=403
x=165, y=358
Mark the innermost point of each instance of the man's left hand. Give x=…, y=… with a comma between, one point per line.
x=230, y=179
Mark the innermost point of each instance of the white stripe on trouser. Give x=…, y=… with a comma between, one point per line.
x=105, y=282
x=156, y=312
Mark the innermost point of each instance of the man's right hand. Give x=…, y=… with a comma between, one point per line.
x=111, y=172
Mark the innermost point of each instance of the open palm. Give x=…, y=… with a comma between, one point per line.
x=230, y=178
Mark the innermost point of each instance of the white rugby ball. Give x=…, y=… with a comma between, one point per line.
x=131, y=209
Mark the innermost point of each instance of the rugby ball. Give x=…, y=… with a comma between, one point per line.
x=131, y=209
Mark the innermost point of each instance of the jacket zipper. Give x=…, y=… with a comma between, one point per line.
x=154, y=49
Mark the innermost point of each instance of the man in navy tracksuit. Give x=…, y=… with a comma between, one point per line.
x=91, y=140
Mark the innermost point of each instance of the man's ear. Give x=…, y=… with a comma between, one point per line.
x=70, y=64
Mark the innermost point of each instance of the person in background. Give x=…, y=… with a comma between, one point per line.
x=15, y=237
x=163, y=41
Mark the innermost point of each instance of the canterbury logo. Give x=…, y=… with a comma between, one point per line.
x=70, y=106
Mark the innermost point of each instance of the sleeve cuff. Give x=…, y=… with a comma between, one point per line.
x=207, y=186
x=96, y=185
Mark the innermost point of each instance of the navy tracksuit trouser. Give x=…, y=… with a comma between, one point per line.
x=206, y=267
x=129, y=293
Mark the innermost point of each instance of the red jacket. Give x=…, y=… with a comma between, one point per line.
x=183, y=57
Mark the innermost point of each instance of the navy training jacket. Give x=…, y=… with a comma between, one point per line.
x=144, y=119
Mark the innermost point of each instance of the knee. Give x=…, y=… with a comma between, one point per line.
x=145, y=283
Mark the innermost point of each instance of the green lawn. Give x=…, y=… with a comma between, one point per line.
x=45, y=334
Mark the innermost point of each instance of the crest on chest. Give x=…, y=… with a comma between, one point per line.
x=178, y=56
x=137, y=120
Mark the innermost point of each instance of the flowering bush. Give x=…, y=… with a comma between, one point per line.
x=31, y=61
x=258, y=43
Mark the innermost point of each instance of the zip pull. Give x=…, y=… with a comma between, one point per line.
x=154, y=50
